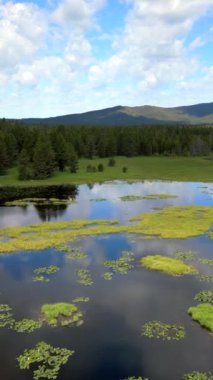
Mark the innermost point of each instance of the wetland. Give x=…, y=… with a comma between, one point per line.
x=114, y=289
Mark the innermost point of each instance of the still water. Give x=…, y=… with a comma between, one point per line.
x=109, y=346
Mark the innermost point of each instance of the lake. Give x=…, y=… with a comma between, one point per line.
x=109, y=345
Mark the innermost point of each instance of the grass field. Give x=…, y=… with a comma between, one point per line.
x=138, y=168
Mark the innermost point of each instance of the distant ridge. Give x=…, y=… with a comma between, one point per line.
x=199, y=114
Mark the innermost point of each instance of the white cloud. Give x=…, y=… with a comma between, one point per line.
x=22, y=33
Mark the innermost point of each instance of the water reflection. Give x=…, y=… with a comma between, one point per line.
x=46, y=214
x=112, y=207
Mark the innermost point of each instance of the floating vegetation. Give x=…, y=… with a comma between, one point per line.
x=98, y=199
x=203, y=314
x=205, y=278
x=84, y=277
x=77, y=256
x=170, y=222
x=81, y=299
x=121, y=265
x=46, y=270
x=27, y=325
x=6, y=317
x=53, y=234
x=49, y=360
x=159, y=330
x=40, y=279
x=206, y=261
x=167, y=265
x=185, y=255
x=204, y=296
x=198, y=376
x=43, y=272
x=107, y=276
x=136, y=378
x=176, y=222
x=127, y=198
x=40, y=202
x=63, y=314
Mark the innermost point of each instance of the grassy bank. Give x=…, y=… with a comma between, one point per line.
x=138, y=168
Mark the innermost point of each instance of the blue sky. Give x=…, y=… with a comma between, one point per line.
x=69, y=56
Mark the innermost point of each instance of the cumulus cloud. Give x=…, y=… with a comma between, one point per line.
x=22, y=32
x=50, y=54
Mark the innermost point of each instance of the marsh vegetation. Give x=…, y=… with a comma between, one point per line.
x=145, y=260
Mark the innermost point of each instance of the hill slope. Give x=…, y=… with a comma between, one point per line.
x=195, y=114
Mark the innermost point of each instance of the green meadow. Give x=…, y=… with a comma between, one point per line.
x=138, y=168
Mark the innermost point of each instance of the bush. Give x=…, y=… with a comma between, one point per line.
x=124, y=169
x=100, y=167
x=111, y=162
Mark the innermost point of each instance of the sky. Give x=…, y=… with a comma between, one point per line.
x=61, y=57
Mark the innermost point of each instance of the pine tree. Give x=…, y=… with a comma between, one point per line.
x=43, y=160
x=25, y=170
x=73, y=160
x=3, y=155
x=61, y=150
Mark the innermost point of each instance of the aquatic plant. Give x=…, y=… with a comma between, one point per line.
x=205, y=278
x=62, y=313
x=175, y=222
x=170, y=222
x=46, y=270
x=52, y=234
x=27, y=325
x=81, y=299
x=206, y=261
x=107, y=276
x=185, y=255
x=203, y=314
x=136, y=378
x=204, y=296
x=6, y=317
x=49, y=360
x=98, y=199
x=121, y=265
x=40, y=201
x=77, y=256
x=42, y=273
x=167, y=265
x=84, y=277
x=160, y=330
x=127, y=198
x=40, y=279
x=198, y=376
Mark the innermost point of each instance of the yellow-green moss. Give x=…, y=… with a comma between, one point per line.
x=167, y=265
x=62, y=313
x=203, y=314
x=175, y=222
x=171, y=222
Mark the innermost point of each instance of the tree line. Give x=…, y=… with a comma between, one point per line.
x=40, y=150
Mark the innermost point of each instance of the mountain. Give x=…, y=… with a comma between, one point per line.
x=144, y=115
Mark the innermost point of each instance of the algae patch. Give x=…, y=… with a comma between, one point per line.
x=203, y=314
x=198, y=376
x=167, y=265
x=176, y=222
x=63, y=314
x=121, y=265
x=84, y=277
x=127, y=198
x=164, y=331
x=49, y=360
x=42, y=273
x=204, y=296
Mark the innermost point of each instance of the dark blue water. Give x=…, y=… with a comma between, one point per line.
x=108, y=346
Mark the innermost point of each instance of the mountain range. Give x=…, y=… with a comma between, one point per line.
x=198, y=114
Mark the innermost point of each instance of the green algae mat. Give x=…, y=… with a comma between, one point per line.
x=177, y=222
